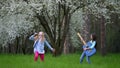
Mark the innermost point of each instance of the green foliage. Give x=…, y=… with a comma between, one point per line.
x=63, y=61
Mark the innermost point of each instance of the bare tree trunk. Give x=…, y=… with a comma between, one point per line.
x=62, y=24
x=23, y=44
x=102, y=34
x=66, y=48
x=16, y=45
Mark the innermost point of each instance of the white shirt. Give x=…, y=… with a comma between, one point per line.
x=93, y=44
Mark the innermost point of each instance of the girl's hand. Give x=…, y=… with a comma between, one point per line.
x=85, y=49
x=53, y=50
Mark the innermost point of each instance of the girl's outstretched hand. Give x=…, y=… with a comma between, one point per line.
x=53, y=50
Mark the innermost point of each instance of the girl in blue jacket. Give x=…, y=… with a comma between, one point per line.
x=39, y=43
x=88, y=48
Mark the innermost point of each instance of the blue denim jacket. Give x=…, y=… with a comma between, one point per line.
x=39, y=46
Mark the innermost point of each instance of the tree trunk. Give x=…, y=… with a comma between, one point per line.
x=66, y=45
x=102, y=34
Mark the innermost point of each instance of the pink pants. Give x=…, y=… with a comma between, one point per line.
x=36, y=56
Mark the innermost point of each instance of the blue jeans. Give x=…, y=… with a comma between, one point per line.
x=82, y=57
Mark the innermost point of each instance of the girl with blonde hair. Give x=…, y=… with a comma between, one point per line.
x=39, y=44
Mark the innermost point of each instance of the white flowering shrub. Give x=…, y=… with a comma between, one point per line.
x=76, y=25
x=103, y=8
x=95, y=8
x=16, y=19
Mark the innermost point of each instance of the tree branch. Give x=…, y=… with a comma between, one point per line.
x=46, y=27
x=75, y=9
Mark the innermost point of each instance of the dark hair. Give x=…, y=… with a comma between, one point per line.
x=93, y=36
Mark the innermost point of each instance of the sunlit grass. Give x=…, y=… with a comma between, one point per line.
x=63, y=61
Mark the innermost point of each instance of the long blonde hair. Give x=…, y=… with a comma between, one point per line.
x=41, y=36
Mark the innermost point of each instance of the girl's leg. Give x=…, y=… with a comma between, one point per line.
x=82, y=57
x=36, y=56
x=88, y=59
x=42, y=57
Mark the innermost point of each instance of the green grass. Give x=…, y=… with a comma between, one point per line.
x=63, y=61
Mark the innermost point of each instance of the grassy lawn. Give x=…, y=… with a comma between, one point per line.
x=63, y=61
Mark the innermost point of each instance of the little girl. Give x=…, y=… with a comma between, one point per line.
x=88, y=51
x=39, y=43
